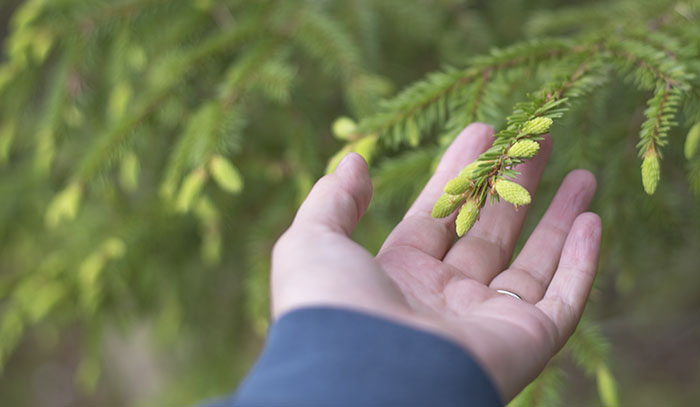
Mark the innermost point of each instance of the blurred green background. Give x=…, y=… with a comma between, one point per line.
x=127, y=278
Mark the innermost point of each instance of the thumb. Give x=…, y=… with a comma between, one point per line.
x=338, y=200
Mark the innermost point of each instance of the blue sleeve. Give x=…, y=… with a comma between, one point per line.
x=336, y=357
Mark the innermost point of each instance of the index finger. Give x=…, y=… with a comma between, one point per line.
x=419, y=229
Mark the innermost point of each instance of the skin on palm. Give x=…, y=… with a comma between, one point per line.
x=423, y=278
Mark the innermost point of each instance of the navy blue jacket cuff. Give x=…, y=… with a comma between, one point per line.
x=338, y=357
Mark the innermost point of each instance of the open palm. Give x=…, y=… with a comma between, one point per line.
x=423, y=278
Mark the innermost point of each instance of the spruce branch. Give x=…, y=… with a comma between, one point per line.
x=545, y=391
x=660, y=114
x=590, y=351
x=648, y=60
x=650, y=67
x=326, y=41
x=479, y=94
x=597, y=15
x=166, y=77
x=661, y=41
x=395, y=180
x=220, y=120
x=513, y=146
x=426, y=102
x=645, y=65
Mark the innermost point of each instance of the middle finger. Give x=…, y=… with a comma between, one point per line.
x=487, y=248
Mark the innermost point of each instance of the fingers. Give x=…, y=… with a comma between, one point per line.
x=419, y=229
x=567, y=294
x=486, y=250
x=338, y=200
x=466, y=148
x=532, y=270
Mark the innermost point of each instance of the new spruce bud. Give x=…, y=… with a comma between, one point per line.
x=512, y=192
x=335, y=160
x=446, y=204
x=538, y=125
x=651, y=172
x=344, y=128
x=462, y=182
x=458, y=185
x=524, y=149
x=190, y=190
x=413, y=133
x=225, y=174
x=366, y=147
x=467, y=217
x=129, y=171
x=468, y=171
x=64, y=206
x=692, y=142
x=114, y=248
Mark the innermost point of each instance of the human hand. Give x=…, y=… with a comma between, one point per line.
x=423, y=278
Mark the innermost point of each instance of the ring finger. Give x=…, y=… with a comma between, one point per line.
x=532, y=270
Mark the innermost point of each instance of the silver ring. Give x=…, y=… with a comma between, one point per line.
x=512, y=294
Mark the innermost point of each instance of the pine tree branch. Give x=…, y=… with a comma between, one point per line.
x=203, y=132
x=418, y=98
x=325, y=40
x=513, y=145
x=99, y=158
x=545, y=391
x=659, y=121
x=549, y=106
x=89, y=21
x=479, y=95
x=647, y=64
x=588, y=346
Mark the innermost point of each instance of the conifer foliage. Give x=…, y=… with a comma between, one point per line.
x=581, y=64
x=150, y=149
